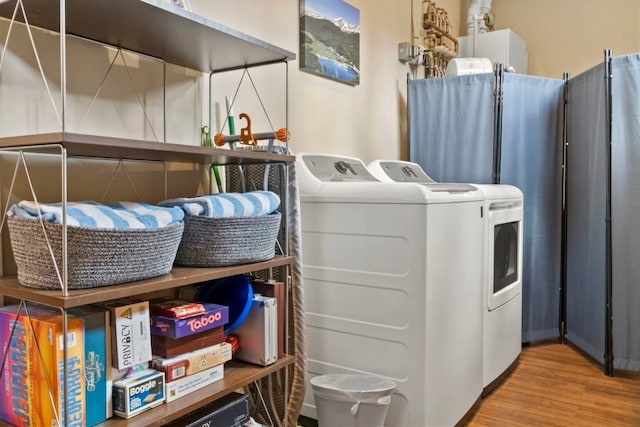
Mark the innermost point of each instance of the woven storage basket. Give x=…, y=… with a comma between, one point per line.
x=218, y=242
x=95, y=257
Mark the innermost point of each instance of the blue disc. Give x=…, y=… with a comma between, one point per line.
x=235, y=292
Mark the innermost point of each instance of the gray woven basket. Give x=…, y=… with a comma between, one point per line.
x=218, y=242
x=95, y=257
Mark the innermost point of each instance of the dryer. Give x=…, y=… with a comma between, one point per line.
x=392, y=284
x=502, y=275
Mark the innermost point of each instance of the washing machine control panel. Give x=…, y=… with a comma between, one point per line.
x=334, y=168
x=405, y=172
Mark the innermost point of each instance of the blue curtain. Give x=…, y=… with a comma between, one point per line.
x=625, y=212
x=451, y=127
x=586, y=210
x=451, y=137
x=532, y=122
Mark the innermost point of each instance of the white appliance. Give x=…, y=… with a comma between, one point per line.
x=502, y=276
x=392, y=282
x=500, y=46
x=503, y=282
x=466, y=66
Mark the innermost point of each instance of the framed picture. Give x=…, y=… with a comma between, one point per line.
x=330, y=40
x=182, y=4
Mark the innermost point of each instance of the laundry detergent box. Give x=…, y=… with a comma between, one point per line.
x=214, y=316
x=131, y=334
x=135, y=394
x=193, y=362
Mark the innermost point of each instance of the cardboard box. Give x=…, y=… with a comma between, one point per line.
x=138, y=393
x=33, y=379
x=97, y=362
x=193, y=362
x=175, y=308
x=48, y=369
x=16, y=390
x=131, y=332
x=231, y=410
x=183, y=386
x=214, y=316
x=170, y=347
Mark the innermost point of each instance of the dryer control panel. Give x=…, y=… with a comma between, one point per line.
x=401, y=171
x=405, y=172
x=336, y=168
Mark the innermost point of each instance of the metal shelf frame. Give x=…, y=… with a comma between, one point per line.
x=175, y=36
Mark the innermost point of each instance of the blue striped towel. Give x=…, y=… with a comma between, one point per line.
x=228, y=205
x=88, y=214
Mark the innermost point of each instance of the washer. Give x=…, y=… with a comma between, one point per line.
x=392, y=283
x=502, y=276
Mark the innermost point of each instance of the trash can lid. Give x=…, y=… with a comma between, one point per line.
x=235, y=292
x=353, y=383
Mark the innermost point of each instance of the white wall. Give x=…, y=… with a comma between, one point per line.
x=367, y=120
x=104, y=97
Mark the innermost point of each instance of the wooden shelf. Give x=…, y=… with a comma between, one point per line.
x=154, y=28
x=179, y=276
x=81, y=145
x=236, y=375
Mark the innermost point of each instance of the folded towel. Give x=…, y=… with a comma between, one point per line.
x=227, y=205
x=88, y=214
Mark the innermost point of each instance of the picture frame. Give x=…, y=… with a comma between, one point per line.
x=330, y=40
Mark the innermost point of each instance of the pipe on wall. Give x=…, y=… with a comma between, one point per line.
x=477, y=10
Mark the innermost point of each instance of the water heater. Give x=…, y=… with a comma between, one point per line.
x=501, y=46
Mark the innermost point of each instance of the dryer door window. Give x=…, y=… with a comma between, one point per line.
x=505, y=255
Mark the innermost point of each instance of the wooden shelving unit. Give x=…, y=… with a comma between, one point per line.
x=154, y=28
x=236, y=375
x=157, y=29
x=104, y=147
x=179, y=276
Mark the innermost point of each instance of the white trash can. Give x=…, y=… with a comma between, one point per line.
x=348, y=400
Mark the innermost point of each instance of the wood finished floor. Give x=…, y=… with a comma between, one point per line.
x=555, y=385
